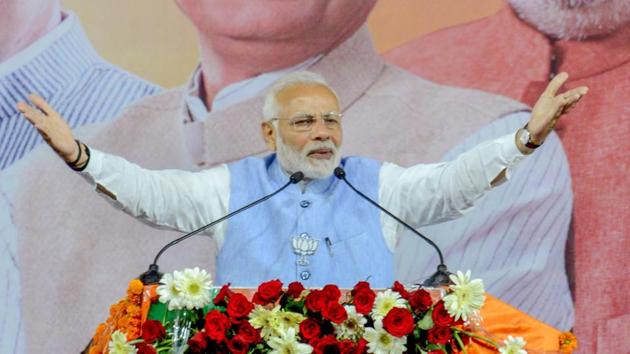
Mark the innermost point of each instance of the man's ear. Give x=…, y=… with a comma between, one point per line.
x=269, y=135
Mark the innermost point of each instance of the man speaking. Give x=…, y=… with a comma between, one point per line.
x=346, y=238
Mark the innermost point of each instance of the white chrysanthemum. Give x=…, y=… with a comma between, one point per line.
x=118, y=344
x=268, y=321
x=381, y=342
x=287, y=343
x=353, y=327
x=195, y=285
x=386, y=301
x=513, y=345
x=466, y=297
x=288, y=319
x=169, y=292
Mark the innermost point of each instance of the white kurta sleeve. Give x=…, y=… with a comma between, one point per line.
x=174, y=199
x=428, y=193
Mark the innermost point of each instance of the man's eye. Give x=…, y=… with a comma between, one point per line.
x=303, y=122
x=331, y=121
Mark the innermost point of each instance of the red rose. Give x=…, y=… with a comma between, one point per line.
x=315, y=301
x=420, y=300
x=250, y=334
x=223, y=295
x=398, y=322
x=238, y=345
x=270, y=291
x=331, y=292
x=295, y=289
x=439, y=335
x=361, y=346
x=152, y=330
x=258, y=300
x=198, y=342
x=360, y=286
x=364, y=300
x=334, y=312
x=309, y=329
x=216, y=325
x=144, y=348
x=440, y=315
x=239, y=306
x=399, y=288
x=327, y=344
x=346, y=346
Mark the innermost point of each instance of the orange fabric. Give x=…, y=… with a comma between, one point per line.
x=501, y=320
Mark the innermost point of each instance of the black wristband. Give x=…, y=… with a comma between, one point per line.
x=73, y=163
x=82, y=167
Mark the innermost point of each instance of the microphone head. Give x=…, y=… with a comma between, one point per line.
x=340, y=173
x=296, y=177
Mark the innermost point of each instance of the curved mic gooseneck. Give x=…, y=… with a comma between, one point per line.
x=441, y=276
x=153, y=275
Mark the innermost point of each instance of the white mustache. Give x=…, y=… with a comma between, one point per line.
x=317, y=145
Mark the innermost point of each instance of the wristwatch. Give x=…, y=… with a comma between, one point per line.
x=526, y=139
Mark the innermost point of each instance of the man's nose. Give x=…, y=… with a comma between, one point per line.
x=320, y=131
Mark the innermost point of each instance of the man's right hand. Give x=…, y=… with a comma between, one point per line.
x=52, y=127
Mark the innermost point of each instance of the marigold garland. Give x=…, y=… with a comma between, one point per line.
x=125, y=316
x=568, y=342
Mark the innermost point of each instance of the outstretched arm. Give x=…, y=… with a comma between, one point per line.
x=179, y=200
x=425, y=194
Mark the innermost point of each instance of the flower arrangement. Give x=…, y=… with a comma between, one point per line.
x=188, y=315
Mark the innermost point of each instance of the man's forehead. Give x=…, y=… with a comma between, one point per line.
x=301, y=92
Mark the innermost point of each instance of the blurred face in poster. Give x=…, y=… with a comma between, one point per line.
x=284, y=31
x=574, y=19
x=24, y=21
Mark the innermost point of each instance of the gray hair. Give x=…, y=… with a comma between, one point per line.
x=271, y=107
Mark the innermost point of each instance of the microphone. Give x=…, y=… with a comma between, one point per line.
x=441, y=276
x=153, y=276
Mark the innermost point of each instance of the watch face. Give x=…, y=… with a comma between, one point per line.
x=524, y=137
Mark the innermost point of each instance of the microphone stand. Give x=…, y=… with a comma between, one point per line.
x=153, y=276
x=441, y=276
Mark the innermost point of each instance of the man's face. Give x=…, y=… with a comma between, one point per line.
x=313, y=150
x=574, y=19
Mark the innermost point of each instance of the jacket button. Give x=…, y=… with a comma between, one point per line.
x=305, y=275
x=305, y=203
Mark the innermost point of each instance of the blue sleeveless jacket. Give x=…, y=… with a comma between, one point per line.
x=323, y=234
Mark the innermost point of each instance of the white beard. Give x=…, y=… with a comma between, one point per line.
x=293, y=160
x=573, y=19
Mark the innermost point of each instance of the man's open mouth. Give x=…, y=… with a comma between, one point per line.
x=321, y=154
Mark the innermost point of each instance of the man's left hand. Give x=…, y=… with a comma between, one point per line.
x=551, y=106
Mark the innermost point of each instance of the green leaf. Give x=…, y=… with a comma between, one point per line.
x=459, y=342
x=436, y=347
x=211, y=306
x=157, y=311
x=426, y=323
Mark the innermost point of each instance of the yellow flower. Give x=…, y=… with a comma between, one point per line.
x=119, y=345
